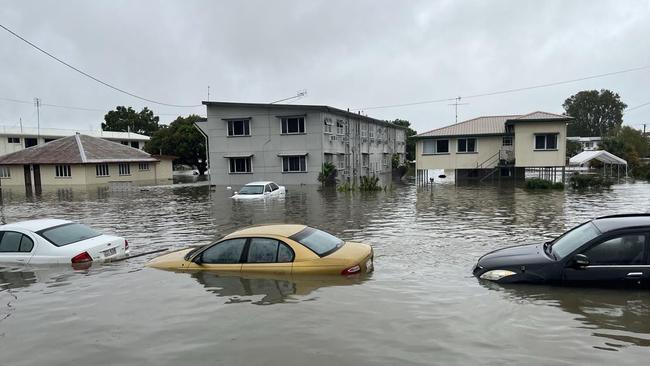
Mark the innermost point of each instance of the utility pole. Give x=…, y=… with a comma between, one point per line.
x=456, y=104
x=37, y=103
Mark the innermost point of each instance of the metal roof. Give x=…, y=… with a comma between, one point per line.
x=491, y=125
x=77, y=149
x=14, y=131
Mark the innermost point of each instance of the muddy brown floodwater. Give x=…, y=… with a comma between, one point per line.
x=420, y=307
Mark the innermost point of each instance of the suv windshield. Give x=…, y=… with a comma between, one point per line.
x=68, y=234
x=574, y=239
x=318, y=241
x=251, y=190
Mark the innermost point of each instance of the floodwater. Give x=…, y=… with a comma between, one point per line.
x=420, y=307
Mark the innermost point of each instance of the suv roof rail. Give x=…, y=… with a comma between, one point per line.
x=624, y=215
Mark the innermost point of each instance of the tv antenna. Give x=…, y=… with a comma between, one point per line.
x=456, y=104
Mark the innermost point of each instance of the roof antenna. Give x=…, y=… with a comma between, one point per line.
x=456, y=104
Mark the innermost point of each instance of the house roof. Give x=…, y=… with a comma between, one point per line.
x=77, y=149
x=491, y=125
x=322, y=108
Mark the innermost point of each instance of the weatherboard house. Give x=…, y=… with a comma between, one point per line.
x=494, y=147
x=82, y=160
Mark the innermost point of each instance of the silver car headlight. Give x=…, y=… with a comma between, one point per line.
x=497, y=274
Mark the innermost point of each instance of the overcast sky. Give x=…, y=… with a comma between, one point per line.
x=347, y=54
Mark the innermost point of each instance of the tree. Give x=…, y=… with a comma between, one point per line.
x=181, y=139
x=410, y=140
x=327, y=176
x=126, y=119
x=629, y=144
x=596, y=113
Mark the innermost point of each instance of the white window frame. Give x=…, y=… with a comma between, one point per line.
x=340, y=127
x=364, y=130
x=231, y=128
x=249, y=167
x=433, y=150
x=327, y=125
x=62, y=171
x=340, y=162
x=13, y=140
x=102, y=170
x=302, y=164
x=284, y=125
x=5, y=172
x=144, y=166
x=546, y=136
x=467, y=145
x=124, y=169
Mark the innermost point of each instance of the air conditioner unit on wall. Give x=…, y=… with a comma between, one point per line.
x=332, y=138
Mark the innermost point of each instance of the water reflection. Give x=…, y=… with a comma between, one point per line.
x=268, y=290
x=619, y=316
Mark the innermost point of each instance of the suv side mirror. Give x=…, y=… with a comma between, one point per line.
x=580, y=261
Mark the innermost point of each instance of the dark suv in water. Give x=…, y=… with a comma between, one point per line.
x=607, y=251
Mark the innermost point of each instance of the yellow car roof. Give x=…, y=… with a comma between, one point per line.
x=285, y=230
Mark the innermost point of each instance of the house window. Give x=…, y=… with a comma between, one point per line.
x=546, y=142
x=13, y=140
x=435, y=146
x=327, y=125
x=466, y=145
x=135, y=144
x=124, y=143
x=240, y=165
x=340, y=127
x=30, y=141
x=102, y=170
x=124, y=169
x=507, y=141
x=62, y=171
x=143, y=167
x=5, y=172
x=293, y=125
x=240, y=127
x=294, y=164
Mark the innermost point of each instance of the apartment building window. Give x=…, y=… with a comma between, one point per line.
x=102, y=170
x=124, y=143
x=135, y=144
x=341, y=162
x=371, y=131
x=294, y=164
x=507, y=140
x=293, y=125
x=329, y=158
x=124, y=169
x=546, y=141
x=467, y=145
x=239, y=127
x=62, y=171
x=385, y=160
x=13, y=140
x=143, y=167
x=364, y=130
x=435, y=147
x=240, y=165
x=327, y=125
x=365, y=160
x=340, y=127
x=5, y=172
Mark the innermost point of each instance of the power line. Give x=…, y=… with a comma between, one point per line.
x=93, y=77
x=636, y=107
x=506, y=91
x=73, y=107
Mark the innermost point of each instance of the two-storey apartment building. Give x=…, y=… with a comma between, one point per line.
x=289, y=143
x=501, y=146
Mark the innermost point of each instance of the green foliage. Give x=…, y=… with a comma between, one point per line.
x=536, y=183
x=124, y=119
x=181, y=139
x=410, y=140
x=629, y=144
x=369, y=184
x=327, y=175
x=346, y=187
x=596, y=113
x=573, y=148
x=582, y=181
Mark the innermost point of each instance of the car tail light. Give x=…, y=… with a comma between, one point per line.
x=351, y=270
x=82, y=258
x=126, y=245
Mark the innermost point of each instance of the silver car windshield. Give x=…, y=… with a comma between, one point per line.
x=68, y=234
x=251, y=190
x=574, y=239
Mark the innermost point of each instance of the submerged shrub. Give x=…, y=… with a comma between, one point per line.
x=370, y=184
x=536, y=183
x=581, y=181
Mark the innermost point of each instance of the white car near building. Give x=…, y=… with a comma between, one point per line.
x=52, y=241
x=260, y=190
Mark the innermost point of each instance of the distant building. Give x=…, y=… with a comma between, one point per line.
x=82, y=160
x=494, y=146
x=289, y=143
x=14, y=139
x=587, y=143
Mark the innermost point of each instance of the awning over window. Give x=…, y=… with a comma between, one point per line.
x=238, y=155
x=293, y=153
x=600, y=155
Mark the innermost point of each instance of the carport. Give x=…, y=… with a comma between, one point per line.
x=607, y=158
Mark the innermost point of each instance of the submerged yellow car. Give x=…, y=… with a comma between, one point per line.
x=274, y=249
